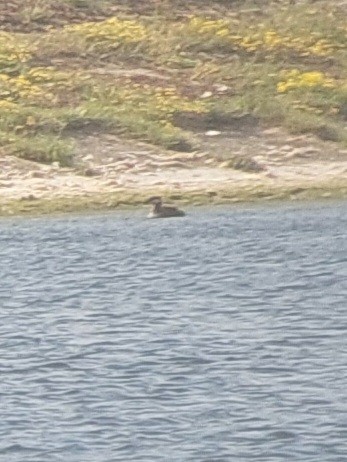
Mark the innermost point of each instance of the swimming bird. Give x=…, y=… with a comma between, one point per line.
x=162, y=211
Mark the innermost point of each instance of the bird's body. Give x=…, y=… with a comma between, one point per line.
x=163, y=211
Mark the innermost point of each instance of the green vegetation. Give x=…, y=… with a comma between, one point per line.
x=265, y=191
x=112, y=69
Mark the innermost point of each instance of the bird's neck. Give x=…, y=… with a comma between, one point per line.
x=157, y=207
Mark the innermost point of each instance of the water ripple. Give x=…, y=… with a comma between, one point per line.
x=218, y=337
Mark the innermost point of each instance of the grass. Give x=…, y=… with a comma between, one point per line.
x=285, y=64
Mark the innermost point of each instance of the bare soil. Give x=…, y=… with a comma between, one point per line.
x=109, y=164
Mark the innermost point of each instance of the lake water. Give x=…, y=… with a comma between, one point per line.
x=216, y=337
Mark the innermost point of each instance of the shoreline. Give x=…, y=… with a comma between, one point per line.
x=263, y=192
x=125, y=173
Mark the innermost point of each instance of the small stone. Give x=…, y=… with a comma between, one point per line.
x=221, y=88
x=226, y=164
x=88, y=157
x=29, y=197
x=55, y=164
x=206, y=94
x=272, y=131
x=211, y=193
x=37, y=174
x=213, y=133
x=91, y=172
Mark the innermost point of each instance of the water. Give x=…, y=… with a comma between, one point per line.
x=217, y=337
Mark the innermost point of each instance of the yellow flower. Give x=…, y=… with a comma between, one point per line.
x=296, y=79
x=7, y=105
x=113, y=31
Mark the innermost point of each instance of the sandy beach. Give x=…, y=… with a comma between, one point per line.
x=111, y=171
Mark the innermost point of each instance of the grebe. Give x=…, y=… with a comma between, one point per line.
x=162, y=211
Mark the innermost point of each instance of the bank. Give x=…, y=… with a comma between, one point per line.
x=264, y=191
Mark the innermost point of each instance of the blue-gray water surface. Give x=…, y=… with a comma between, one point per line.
x=216, y=337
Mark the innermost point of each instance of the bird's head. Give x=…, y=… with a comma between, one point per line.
x=154, y=200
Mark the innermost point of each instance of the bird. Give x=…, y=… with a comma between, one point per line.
x=162, y=211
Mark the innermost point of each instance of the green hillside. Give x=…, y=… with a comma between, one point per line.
x=155, y=70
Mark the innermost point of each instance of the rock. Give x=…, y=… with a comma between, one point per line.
x=211, y=193
x=327, y=133
x=213, y=133
x=243, y=163
x=226, y=164
x=221, y=88
x=55, y=164
x=37, y=174
x=206, y=94
x=29, y=197
x=272, y=131
x=88, y=157
x=91, y=172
